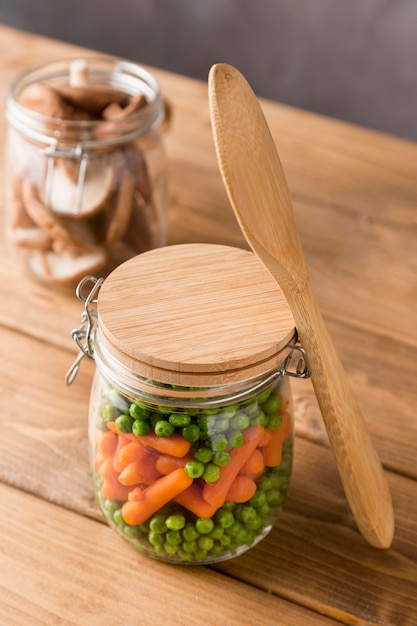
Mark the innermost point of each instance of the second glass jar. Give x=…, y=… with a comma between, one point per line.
x=86, y=184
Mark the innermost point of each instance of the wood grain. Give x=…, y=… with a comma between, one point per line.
x=73, y=572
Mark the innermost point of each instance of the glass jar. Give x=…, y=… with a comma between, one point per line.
x=86, y=171
x=190, y=420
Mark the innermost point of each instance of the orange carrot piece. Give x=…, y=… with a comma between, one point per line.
x=165, y=463
x=254, y=466
x=139, y=472
x=121, y=442
x=132, y=451
x=192, y=499
x=273, y=451
x=215, y=493
x=264, y=440
x=112, y=488
x=99, y=459
x=106, y=442
x=175, y=444
x=155, y=496
x=242, y=489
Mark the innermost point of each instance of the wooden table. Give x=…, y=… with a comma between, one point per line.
x=355, y=197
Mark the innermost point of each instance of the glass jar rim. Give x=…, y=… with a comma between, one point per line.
x=133, y=384
x=123, y=75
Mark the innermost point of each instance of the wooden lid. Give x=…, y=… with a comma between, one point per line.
x=195, y=314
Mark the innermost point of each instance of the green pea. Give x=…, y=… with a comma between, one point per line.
x=179, y=419
x=173, y=537
x=234, y=528
x=235, y=439
x=156, y=539
x=217, y=549
x=137, y=410
x=109, y=412
x=170, y=548
x=141, y=427
x=211, y=473
x=205, y=543
x=217, y=532
x=191, y=432
x=274, y=421
x=200, y=555
x=219, y=443
x=189, y=546
x=204, y=525
x=175, y=522
x=251, y=410
x=118, y=517
x=263, y=396
x=157, y=524
x=272, y=404
x=124, y=423
x=225, y=540
x=132, y=532
x=203, y=454
x=228, y=412
x=194, y=469
x=248, y=513
x=263, y=419
x=274, y=496
x=240, y=421
x=190, y=533
x=258, y=499
x=220, y=425
x=119, y=401
x=163, y=428
x=265, y=483
x=225, y=518
x=222, y=458
x=254, y=524
x=263, y=510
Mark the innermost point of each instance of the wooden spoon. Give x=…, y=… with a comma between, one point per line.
x=257, y=189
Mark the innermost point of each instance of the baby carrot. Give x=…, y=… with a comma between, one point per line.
x=99, y=459
x=215, y=493
x=106, y=442
x=264, y=440
x=254, y=466
x=192, y=499
x=155, y=496
x=139, y=472
x=112, y=489
x=121, y=442
x=273, y=451
x=242, y=489
x=175, y=444
x=165, y=463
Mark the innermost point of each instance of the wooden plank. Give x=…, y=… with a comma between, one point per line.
x=315, y=557
x=57, y=567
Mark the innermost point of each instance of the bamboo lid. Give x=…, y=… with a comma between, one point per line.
x=195, y=314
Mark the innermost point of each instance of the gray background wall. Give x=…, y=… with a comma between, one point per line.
x=351, y=59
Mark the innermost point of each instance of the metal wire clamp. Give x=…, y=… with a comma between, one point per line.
x=84, y=334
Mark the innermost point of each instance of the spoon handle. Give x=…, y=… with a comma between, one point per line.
x=359, y=466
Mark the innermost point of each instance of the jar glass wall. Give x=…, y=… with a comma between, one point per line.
x=86, y=184
x=191, y=475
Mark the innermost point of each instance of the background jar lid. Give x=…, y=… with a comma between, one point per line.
x=195, y=314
